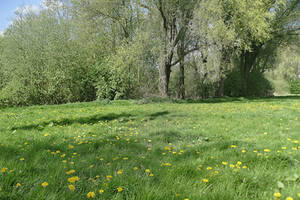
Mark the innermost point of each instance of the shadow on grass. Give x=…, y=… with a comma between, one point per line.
x=93, y=119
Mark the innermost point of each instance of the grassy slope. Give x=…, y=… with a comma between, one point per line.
x=194, y=138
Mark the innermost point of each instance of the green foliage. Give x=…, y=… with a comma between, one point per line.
x=258, y=85
x=295, y=86
x=42, y=64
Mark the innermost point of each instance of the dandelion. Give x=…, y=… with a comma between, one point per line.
x=101, y=191
x=277, y=195
x=109, y=176
x=71, y=187
x=135, y=168
x=120, y=189
x=289, y=198
x=151, y=174
x=73, y=179
x=209, y=168
x=18, y=185
x=70, y=172
x=45, y=184
x=22, y=159
x=267, y=150
x=224, y=163
x=147, y=170
x=91, y=195
x=120, y=171
x=3, y=170
x=205, y=180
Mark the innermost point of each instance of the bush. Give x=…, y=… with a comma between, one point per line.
x=295, y=86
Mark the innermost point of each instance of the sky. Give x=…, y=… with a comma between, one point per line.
x=8, y=7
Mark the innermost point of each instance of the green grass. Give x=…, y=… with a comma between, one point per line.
x=180, y=143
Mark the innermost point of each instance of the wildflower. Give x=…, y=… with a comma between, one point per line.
x=120, y=171
x=101, y=191
x=45, y=184
x=147, y=170
x=239, y=163
x=120, y=189
x=3, y=169
x=71, y=187
x=151, y=174
x=224, y=163
x=135, y=168
x=0, y=189
x=289, y=198
x=267, y=150
x=109, y=176
x=73, y=179
x=70, y=172
x=91, y=195
x=18, y=185
x=205, y=180
x=233, y=146
x=277, y=195
x=22, y=159
x=209, y=168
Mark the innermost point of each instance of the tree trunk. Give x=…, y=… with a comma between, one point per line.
x=164, y=77
x=181, y=93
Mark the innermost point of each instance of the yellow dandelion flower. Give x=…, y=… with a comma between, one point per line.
x=70, y=172
x=209, y=168
x=71, y=146
x=120, y=189
x=135, y=168
x=151, y=174
x=109, y=176
x=277, y=195
x=71, y=187
x=91, y=195
x=147, y=170
x=267, y=150
x=22, y=159
x=224, y=163
x=205, y=180
x=289, y=198
x=18, y=185
x=101, y=191
x=120, y=171
x=3, y=169
x=45, y=184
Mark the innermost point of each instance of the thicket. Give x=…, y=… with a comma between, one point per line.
x=78, y=50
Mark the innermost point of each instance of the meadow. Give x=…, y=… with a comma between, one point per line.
x=212, y=150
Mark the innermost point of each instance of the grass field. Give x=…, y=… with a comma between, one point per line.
x=221, y=149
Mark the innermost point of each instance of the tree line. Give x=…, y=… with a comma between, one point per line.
x=82, y=50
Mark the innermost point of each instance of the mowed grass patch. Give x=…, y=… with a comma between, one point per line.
x=241, y=149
